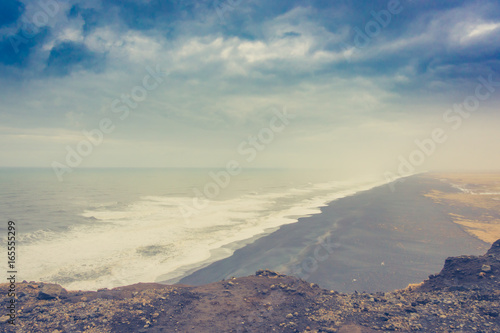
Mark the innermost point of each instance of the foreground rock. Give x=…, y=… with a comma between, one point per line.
x=464, y=297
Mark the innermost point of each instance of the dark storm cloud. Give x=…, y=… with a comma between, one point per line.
x=15, y=49
x=92, y=17
x=10, y=11
x=68, y=56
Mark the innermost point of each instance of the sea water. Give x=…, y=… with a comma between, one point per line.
x=103, y=228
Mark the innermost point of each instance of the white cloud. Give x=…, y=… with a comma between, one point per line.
x=292, y=40
x=71, y=33
x=479, y=31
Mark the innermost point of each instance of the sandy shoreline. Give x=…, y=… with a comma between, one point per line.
x=377, y=240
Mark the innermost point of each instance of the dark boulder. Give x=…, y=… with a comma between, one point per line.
x=268, y=273
x=51, y=291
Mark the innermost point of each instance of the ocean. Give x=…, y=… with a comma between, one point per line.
x=104, y=228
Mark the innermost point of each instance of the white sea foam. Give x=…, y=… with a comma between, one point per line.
x=149, y=240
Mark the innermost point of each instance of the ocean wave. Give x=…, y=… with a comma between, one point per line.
x=150, y=239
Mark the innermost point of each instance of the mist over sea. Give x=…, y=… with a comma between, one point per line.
x=103, y=228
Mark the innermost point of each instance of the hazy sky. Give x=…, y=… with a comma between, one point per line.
x=362, y=79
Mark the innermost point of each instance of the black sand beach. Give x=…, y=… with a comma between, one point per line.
x=377, y=240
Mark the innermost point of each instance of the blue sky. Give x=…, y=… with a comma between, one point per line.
x=226, y=66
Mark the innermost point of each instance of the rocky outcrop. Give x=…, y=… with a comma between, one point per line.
x=468, y=272
x=51, y=291
x=463, y=297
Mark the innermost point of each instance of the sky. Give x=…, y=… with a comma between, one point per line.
x=387, y=86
